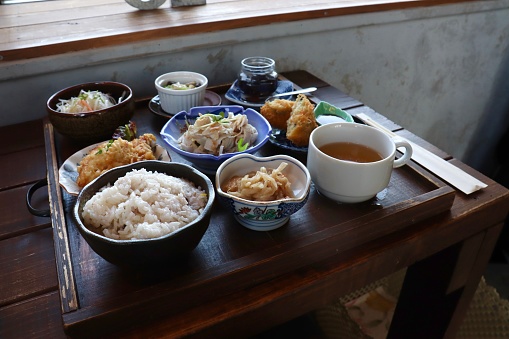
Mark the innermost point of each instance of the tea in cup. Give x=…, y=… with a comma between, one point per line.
x=351, y=162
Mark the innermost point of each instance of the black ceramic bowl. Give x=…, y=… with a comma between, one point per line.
x=92, y=126
x=146, y=253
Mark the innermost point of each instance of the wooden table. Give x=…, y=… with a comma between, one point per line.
x=239, y=282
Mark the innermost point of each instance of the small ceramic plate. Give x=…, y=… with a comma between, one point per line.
x=326, y=113
x=211, y=99
x=234, y=94
x=278, y=138
x=68, y=172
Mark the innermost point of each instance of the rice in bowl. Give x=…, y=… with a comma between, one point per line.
x=143, y=205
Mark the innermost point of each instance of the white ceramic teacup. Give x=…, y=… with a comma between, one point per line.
x=349, y=181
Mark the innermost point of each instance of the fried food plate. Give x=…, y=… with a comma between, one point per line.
x=68, y=172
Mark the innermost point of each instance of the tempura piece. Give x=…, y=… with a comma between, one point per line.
x=262, y=185
x=114, y=153
x=301, y=122
x=277, y=112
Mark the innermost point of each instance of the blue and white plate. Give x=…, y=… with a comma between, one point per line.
x=234, y=94
x=68, y=172
x=325, y=113
x=208, y=163
x=278, y=138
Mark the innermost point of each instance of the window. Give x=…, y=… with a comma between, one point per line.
x=10, y=2
x=35, y=29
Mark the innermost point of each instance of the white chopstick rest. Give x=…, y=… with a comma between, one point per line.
x=438, y=166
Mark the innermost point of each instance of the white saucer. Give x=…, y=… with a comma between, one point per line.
x=211, y=99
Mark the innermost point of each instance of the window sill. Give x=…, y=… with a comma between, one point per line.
x=49, y=28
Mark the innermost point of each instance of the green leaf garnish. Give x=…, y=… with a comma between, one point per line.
x=216, y=117
x=241, y=146
x=108, y=145
x=126, y=132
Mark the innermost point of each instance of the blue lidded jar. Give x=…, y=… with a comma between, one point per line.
x=257, y=78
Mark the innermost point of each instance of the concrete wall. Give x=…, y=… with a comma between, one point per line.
x=440, y=72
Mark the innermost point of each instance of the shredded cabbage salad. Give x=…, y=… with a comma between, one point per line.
x=86, y=101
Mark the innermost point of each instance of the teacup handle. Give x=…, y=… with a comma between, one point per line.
x=406, y=155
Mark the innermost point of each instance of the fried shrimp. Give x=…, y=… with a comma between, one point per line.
x=114, y=153
x=277, y=112
x=301, y=122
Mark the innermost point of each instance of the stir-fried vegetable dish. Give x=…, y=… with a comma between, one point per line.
x=218, y=134
x=265, y=184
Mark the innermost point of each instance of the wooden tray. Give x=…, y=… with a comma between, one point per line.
x=230, y=258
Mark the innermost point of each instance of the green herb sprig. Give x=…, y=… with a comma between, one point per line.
x=108, y=145
x=241, y=146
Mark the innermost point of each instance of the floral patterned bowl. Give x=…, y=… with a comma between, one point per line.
x=264, y=215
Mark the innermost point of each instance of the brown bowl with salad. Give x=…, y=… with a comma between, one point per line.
x=91, y=112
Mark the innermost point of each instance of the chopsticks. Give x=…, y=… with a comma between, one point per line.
x=438, y=166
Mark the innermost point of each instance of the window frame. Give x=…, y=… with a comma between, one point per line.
x=42, y=29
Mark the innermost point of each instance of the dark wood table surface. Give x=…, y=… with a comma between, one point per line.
x=239, y=282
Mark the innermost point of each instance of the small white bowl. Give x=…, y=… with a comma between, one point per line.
x=177, y=100
x=264, y=215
